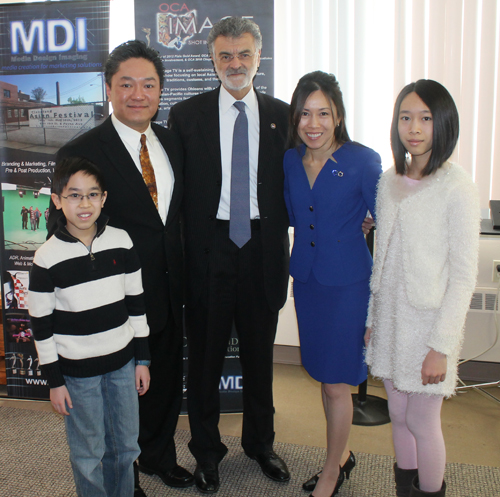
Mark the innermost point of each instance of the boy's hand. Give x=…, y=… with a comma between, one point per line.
x=59, y=397
x=142, y=379
x=434, y=367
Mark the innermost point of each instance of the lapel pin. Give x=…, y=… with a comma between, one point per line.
x=273, y=126
x=337, y=173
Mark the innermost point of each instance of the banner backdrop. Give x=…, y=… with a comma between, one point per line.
x=51, y=90
x=178, y=31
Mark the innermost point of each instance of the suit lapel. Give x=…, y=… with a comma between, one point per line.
x=119, y=158
x=209, y=126
x=175, y=201
x=266, y=136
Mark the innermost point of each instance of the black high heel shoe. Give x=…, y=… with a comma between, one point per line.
x=340, y=481
x=348, y=466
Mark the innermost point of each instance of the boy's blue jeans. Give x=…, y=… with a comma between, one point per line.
x=102, y=431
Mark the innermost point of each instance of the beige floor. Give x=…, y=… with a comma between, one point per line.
x=471, y=422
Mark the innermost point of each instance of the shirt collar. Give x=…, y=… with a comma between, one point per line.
x=226, y=101
x=129, y=135
x=63, y=234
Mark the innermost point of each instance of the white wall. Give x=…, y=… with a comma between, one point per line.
x=480, y=328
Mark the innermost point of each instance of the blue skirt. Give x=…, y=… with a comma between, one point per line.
x=331, y=328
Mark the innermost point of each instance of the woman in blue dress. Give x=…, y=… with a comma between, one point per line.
x=330, y=184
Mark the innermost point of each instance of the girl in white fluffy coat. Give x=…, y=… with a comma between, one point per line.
x=422, y=282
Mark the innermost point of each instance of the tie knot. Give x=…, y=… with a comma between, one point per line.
x=143, y=139
x=240, y=105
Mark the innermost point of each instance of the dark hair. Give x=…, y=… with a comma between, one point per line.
x=133, y=49
x=444, y=119
x=329, y=86
x=234, y=27
x=71, y=165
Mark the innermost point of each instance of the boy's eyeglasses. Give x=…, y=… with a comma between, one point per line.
x=76, y=198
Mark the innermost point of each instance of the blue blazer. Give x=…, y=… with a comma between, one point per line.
x=327, y=217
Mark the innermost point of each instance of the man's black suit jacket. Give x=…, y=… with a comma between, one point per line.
x=197, y=122
x=130, y=207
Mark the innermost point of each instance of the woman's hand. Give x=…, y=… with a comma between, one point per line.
x=368, y=224
x=434, y=368
x=368, y=335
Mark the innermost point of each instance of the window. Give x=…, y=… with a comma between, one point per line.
x=376, y=48
x=6, y=93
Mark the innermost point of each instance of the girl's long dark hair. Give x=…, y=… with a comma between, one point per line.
x=445, y=124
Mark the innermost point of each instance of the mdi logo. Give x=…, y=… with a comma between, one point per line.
x=231, y=383
x=55, y=35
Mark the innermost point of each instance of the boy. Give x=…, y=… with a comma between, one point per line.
x=88, y=318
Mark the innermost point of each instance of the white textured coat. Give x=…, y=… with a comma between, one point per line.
x=421, y=293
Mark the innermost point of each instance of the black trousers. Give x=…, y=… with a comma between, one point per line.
x=159, y=408
x=233, y=291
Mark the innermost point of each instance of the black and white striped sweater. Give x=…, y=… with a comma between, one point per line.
x=87, y=306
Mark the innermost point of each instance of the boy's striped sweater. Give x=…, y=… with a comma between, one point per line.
x=86, y=304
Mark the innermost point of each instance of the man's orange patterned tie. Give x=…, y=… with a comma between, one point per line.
x=147, y=171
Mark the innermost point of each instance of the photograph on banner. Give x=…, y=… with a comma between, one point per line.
x=179, y=32
x=51, y=90
x=25, y=211
x=24, y=376
x=15, y=288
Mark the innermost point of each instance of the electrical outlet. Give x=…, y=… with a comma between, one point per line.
x=496, y=273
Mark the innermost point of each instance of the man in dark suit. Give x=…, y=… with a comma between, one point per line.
x=228, y=282
x=134, y=78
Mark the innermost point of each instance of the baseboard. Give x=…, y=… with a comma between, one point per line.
x=479, y=371
x=286, y=354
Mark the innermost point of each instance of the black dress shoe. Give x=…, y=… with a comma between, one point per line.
x=272, y=465
x=206, y=477
x=177, y=477
x=348, y=466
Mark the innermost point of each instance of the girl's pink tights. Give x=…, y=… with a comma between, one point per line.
x=417, y=435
